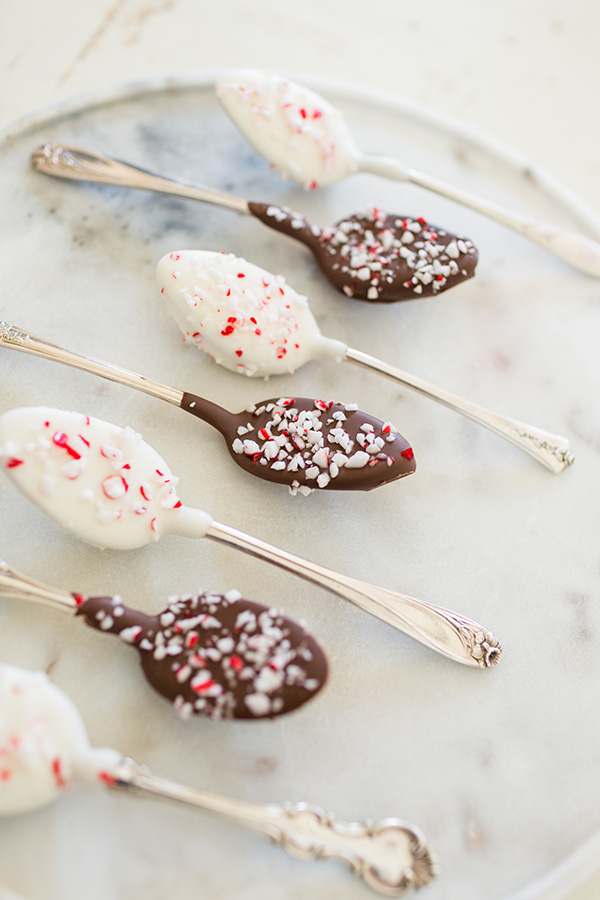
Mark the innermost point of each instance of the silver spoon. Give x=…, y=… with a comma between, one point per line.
x=374, y=256
x=107, y=486
x=215, y=655
x=391, y=856
x=205, y=290
x=256, y=438
x=305, y=138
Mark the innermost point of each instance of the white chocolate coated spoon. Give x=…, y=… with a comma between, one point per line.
x=250, y=321
x=306, y=139
x=46, y=751
x=107, y=486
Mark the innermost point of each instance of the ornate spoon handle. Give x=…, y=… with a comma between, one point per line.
x=442, y=630
x=579, y=251
x=551, y=450
x=17, y=339
x=390, y=856
x=76, y=164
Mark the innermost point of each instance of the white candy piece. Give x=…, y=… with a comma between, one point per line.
x=302, y=135
x=122, y=495
x=249, y=320
x=44, y=748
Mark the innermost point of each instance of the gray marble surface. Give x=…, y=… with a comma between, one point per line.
x=495, y=766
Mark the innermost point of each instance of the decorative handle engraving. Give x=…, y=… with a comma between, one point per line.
x=551, y=450
x=391, y=856
x=11, y=335
x=440, y=629
x=76, y=164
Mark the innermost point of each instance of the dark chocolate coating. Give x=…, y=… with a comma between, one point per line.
x=219, y=657
x=394, y=459
x=379, y=257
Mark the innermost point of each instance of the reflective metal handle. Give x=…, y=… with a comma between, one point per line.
x=442, y=630
x=21, y=587
x=576, y=249
x=17, y=339
x=77, y=164
x=551, y=450
x=390, y=856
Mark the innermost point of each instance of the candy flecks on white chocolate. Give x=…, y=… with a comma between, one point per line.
x=302, y=135
x=246, y=318
x=44, y=748
x=96, y=480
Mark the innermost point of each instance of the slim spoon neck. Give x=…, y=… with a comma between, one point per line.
x=383, y=166
x=77, y=164
x=551, y=450
x=17, y=339
x=215, y=415
x=391, y=856
x=141, y=779
x=580, y=251
x=21, y=587
x=437, y=628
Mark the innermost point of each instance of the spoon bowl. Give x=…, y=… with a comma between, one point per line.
x=220, y=656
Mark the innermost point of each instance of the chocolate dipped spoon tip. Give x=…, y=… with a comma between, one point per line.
x=304, y=443
x=372, y=255
x=216, y=655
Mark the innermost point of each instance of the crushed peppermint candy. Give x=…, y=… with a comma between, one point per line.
x=374, y=255
x=218, y=655
x=92, y=477
x=318, y=441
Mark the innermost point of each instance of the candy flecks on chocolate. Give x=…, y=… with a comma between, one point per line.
x=218, y=655
x=296, y=440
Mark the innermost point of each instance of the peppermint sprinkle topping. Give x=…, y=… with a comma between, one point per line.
x=221, y=656
x=314, y=443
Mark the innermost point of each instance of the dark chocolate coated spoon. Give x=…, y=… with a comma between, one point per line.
x=304, y=443
x=375, y=256
x=210, y=654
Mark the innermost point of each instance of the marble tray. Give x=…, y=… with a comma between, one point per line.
x=498, y=767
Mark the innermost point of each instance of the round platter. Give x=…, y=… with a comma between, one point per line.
x=494, y=765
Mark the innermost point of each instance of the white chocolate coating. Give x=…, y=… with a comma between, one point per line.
x=97, y=481
x=302, y=135
x=44, y=747
x=247, y=319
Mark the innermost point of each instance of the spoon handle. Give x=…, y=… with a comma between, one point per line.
x=77, y=164
x=390, y=856
x=17, y=339
x=551, y=450
x=15, y=584
x=581, y=252
x=442, y=630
